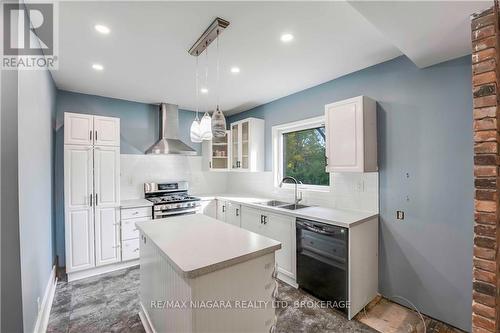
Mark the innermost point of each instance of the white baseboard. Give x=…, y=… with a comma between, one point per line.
x=146, y=323
x=282, y=276
x=73, y=276
x=42, y=319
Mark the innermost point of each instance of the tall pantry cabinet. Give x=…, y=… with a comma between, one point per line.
x=91, y=191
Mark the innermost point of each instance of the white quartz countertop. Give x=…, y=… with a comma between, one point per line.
x=132, y=203
x=197, y=244
x=339, y=217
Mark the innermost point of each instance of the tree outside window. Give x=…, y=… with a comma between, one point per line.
x=304, y=156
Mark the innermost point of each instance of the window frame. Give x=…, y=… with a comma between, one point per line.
x=277, y=137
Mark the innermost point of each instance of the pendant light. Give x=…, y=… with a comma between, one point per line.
x=195, y=131
x=218, y=119
x=206, y=120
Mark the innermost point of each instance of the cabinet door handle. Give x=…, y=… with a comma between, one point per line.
x=261, y=219
x=96, y=199
x=264, y=219
x=224, y=209
x=96, y=135
x=90, y=199
x=90, y=136
x=210, y=165
x=237, y=212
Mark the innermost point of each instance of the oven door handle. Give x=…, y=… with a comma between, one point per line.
x=158, y=214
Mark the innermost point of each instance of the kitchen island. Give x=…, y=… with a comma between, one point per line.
x=202, y=275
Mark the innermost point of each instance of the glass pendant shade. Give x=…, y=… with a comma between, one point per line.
x=218, y=124
x=206, y=127
x=195, y=131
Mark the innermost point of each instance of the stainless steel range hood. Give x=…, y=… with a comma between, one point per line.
x=169, y=142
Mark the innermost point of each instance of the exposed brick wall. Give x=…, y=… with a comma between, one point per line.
x=485, y=79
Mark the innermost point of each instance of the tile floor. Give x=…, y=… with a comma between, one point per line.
x=110, y=303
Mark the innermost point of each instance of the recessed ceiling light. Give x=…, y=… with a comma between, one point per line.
x=98, y=67
x=102, y=29
x=285, y=38
x=204, y=90
x=235, y=70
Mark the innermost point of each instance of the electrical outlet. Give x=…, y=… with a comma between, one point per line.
x=400, y=215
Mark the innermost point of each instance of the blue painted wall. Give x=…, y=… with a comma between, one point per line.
x=424, y=129
x=139, y=129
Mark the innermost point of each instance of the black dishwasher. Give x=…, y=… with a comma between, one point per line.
x=322, y=254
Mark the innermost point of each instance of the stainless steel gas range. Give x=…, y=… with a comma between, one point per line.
x=170, y=199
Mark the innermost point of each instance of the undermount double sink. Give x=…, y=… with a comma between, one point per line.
x=282, y=204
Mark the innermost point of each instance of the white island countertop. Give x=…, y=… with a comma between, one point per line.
x=197, y=244
x=339, y=217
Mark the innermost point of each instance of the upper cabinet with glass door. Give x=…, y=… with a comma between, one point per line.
x=219, y=153
x=247, y=145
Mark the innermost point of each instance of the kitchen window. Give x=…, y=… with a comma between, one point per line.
x=299, y=151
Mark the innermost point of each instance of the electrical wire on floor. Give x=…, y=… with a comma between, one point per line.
x=414, y=308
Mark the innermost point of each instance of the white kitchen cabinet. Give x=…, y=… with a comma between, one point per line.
x=107, y=235
x=87, y=130
x=351, y=135
x=278, y=227
x=128, y=228
x=247, y=145
x=362, y=251
x=79, y=234
x=91, y=192
x=251, y=219
x=130, y=250
x=217, y=153
x=79, y=212
x=129, y=233
x=78, y=129
x=107, y=176
x=221, y=210
x=106, y=131
x=209, y=208
x=233, y=214
x=282, y=228
x=136, y=212
x=78, y=177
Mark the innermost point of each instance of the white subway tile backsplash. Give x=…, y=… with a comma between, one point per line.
x=347, y=191
x=357, y=191
x=139, y=169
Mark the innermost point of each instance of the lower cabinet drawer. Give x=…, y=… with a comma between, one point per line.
x=132, y=213
x=129, y=230
x=130, y=249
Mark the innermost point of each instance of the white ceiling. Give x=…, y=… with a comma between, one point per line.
x=427, y=32
x=145, y=56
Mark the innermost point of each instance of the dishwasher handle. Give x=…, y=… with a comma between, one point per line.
x=316, y=228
